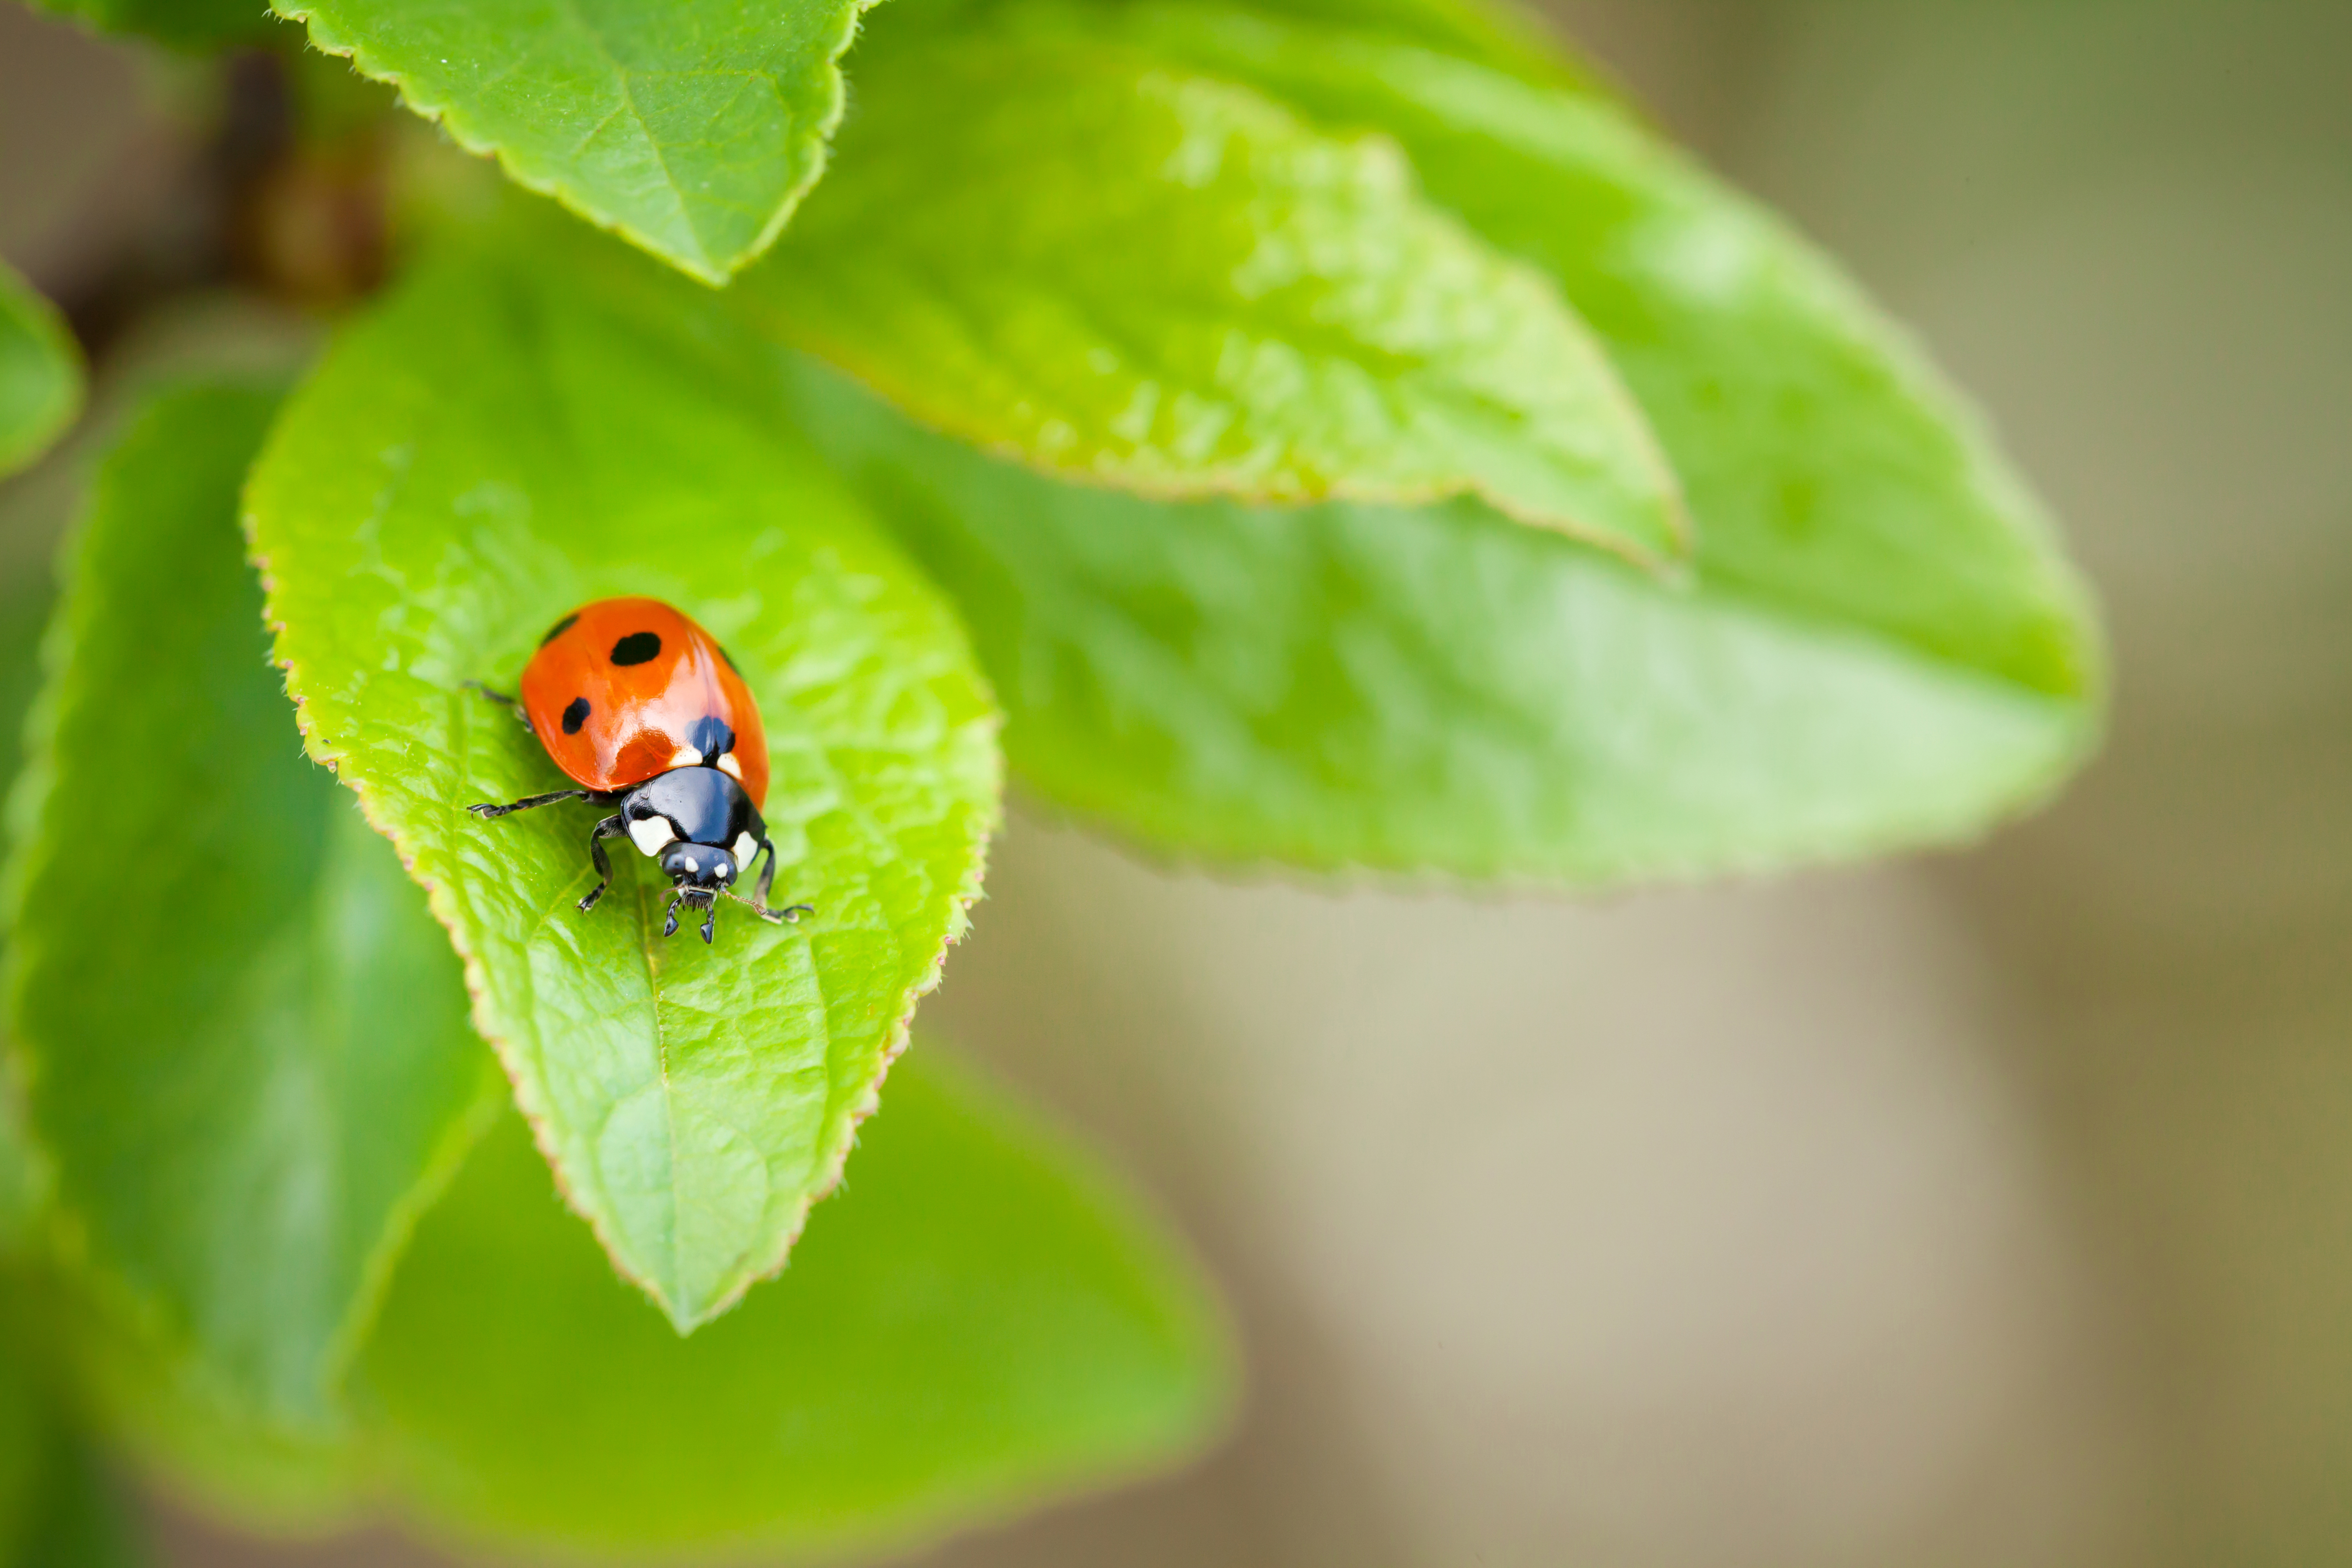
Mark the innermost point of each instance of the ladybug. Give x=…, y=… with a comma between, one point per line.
x=645, y=709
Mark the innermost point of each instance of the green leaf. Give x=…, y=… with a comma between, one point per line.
x=1883, y=646
x=80, y=1518
x=169, y=1418
x=40, y=373
x=488, y=450
x=1066, y=251
x=25, y=608
x=23, y=1435
x=1496, y=33
x=691, y=127
x=186, y=25
x=24, y=1171
x=58, y=1508
x=978, y=1322
x=1435, y=689
x=1833, y=476
x=249, y=1056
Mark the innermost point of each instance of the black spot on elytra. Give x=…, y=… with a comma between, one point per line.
x=558, y=629
x=712, y=737
x=575, y=715
x=637, y=648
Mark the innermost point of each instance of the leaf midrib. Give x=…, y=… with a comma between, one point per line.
x=675, y=1276
x=653, y=144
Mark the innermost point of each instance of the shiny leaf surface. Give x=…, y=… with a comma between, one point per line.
x=1833, y=474
x=250, y=1060
x=1123, y=273
x=1434, y=689
x=692, y=127
x=490, y=448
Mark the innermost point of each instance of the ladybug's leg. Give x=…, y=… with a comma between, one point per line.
x=669, y=926
x=530, y=803
x=767, y=882
x=499, y=697
x=612, y=826
x=709, y=921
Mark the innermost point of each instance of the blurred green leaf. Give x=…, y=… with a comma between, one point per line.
x=249, y=1056
x=187, y=24
x=23, y=1173
x=490, y=449
x=169, y=1418
x=81, y=1518
x=59, y=1508
x=979, y=1320
x=25, y=606
x=1500, y=33
x=24, y=1437
x=24, y=1176
x=1494, y=33
x=1069, y=252
x=1433, y=689
x=40, y=373
x=691, y=127
x=1832, y=476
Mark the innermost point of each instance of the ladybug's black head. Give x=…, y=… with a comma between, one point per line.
x=697, y=865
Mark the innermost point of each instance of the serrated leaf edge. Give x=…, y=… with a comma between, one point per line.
x=62, y=1229
x=454, y=120
x=441, y=900
x=1673, y=569
x=1671, y=565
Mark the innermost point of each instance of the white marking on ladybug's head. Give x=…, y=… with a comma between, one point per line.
x=652, y=833
x=685, y=757
x=745, y=847
x=730, y=767
x=697, y=865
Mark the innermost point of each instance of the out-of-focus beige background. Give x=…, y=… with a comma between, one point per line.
x=1992, y=1210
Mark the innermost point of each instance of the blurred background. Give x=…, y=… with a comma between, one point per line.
x=1993, y=1209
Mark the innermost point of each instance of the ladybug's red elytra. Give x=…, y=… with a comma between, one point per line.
x=645, y=709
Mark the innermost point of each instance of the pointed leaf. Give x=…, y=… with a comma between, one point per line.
x=247, y=1063
x=1434, y=689
x=980, y=1320
x=1884, y=646
x=691, y=127
x=40, y=373
x=488, y=451
x=1833, y=474
x=1066, y=251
